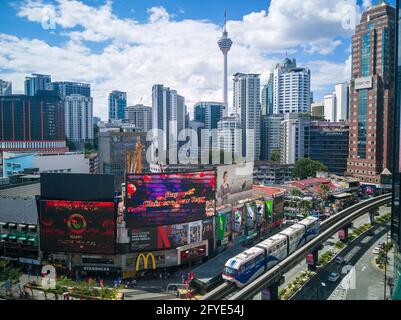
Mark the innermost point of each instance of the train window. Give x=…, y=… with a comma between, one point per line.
x=242, y=269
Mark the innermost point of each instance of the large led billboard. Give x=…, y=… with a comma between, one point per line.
x=170, y=236
x=169, y=198
x=234, y=182
x=77, y=226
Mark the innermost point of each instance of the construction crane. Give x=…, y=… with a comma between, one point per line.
x=133, y=159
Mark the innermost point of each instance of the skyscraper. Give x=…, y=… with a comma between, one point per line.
x=78, y=118
x=372, y=94
x=5, y=88
x=140, y=115
x=209, y=114
x=117, y=105
x=225, y=44
x=35, y=83
x=168, y=115
x=291, y=88
x=66, y=88
x=247, y=102
x=270, y=135
x=229, y=136
x=342, y=101
x=294, y=137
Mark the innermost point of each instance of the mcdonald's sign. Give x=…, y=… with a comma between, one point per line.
x=145, y=261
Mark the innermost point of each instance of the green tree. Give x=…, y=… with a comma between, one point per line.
x=275, y=156
x=306, y=167
x=296, y=192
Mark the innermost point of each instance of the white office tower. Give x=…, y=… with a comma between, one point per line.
x=329, y=102
x=229, y=135
x=342, y=101
x=140, y=115
x=291, y=88
x=225, y=44
x=168, y=115
x=294, y=138
x=336, y=104
x=78, y=111
x=247, y=103
x=5, y=88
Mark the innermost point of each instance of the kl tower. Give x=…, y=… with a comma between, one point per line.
x=225, y=44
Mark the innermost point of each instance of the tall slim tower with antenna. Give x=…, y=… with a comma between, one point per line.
x=225, y=44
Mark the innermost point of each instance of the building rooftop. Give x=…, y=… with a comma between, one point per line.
x=18, y=211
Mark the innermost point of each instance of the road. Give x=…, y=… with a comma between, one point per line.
x=357, y=254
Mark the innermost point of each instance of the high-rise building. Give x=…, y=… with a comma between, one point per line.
x=229, y=135
x=270, y=135
x=329, y=145
x=35, y=83
x=5, y=88
x=168, y=115
x=247, y=102
x=329, y=102
x=66, y=88
x=267, y=97
x=78, y=118
x=209, y=113
x=396, y=207
x=117, y=105
x=140, y=115
x=317, y=109
x=372, y=94
x=342, y=101
x=225, y=44
x=291, y=88
x=32, y=123
x=294, y=137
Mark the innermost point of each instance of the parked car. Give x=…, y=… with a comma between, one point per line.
x=370, y=233
x=333, y=277
x=376, y=250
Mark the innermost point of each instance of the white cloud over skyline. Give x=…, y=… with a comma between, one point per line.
x=181, y=54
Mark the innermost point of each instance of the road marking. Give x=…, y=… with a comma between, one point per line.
x=364, y=268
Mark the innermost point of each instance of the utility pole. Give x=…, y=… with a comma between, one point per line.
x=385, y=268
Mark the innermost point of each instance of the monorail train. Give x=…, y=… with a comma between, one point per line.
x=250, y=264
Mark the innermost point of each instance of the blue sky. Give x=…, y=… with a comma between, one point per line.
x=130, y=44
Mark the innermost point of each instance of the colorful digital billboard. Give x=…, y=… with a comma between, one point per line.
x=221, y=224
x=78, y=226
x=170, y=236
x=269, y=211
x=169, y=198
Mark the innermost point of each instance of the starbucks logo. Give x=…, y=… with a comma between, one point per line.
x=76, y=223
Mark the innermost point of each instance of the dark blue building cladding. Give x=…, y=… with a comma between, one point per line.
x=329, y=145
x=32, y=118
x=396, y=209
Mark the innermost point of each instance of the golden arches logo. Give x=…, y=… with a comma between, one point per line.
x=145, y=261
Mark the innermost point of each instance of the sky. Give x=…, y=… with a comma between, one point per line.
x=129, y=45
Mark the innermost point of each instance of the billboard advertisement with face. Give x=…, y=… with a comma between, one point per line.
x=171, y=236
x=78, y=226
x=234, y=182
x=169, y=198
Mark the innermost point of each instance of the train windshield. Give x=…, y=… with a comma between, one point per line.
x=230, y=271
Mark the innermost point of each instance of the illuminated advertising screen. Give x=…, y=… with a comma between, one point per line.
x=250, y=214
x=170, y=236
x=234, y=182
x=169, y=198
x=260, y=211
x=78, y=226
x=221, y=223
x=269, y=210
x=237, y=219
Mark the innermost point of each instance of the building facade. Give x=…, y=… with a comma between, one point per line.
x=66, y=88
x=5, y=88
x=117, y=105
x=317, y=110
x=32, y=123
x=271, y=173
x=270, y=135
x=78, y=118
x=140, y=115
x=36, y=83
x=294, y=138
x=247, y=103
x=329, y=145
x=291, y=88
x=229, y=135
x=372, y=94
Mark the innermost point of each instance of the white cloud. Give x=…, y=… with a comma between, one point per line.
x=180, y=54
